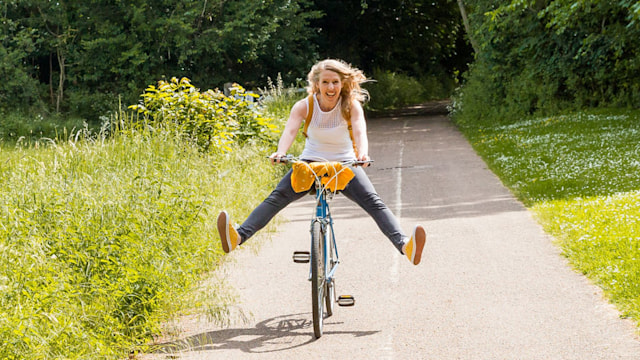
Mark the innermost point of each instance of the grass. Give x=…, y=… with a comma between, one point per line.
x=580, y=175
x=103, y=239
x=601, y=236
x=279, y=98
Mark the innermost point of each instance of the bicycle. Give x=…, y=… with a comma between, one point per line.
x=323, y=255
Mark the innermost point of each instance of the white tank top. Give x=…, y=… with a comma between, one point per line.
x=328, y=136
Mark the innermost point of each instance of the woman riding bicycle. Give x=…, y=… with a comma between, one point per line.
x=337, y=98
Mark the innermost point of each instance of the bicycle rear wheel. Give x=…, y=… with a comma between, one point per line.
x=317, y=277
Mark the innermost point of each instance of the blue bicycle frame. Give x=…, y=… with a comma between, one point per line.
x=323, y=216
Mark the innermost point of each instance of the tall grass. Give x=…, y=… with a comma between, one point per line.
x=580, y=174
x=279, y=98
x=103, y=239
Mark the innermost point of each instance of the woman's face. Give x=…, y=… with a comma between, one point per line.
x=329, y=85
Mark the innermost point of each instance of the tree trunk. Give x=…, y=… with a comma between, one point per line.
x=51, y=96
x=61, y=79
x=467, y=28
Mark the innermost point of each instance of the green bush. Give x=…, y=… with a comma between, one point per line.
x=539, y=58
x=105, y=238
x=391, y=90
x=91, y=105
x=26, y=128
x=209, y=119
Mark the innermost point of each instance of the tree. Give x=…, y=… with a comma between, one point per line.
x=467, y=27
x=19, y=85
x=91, y=51
x=253, y=40
x=61, y=35
x=541, y=55
x=415, y=37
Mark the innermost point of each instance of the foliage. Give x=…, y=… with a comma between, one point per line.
x=421, y=39
x=19, y=88
x=103, y=239
x=107, y=237
x=389, y=90
x=278, y=99
x=210, y=119
x=86, y=104
x=28, y=129
x=540, y=56
x=50, y=50
x=579, y=172
x=80, y=57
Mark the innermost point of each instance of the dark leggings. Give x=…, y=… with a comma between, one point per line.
x=360, y=190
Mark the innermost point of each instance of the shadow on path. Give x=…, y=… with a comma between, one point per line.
x=272, y=335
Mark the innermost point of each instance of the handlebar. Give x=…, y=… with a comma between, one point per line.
x=291, y=158
x=284, y=159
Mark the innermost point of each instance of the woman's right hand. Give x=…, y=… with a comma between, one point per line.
x=275, y=157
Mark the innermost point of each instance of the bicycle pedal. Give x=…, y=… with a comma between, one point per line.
x=301, y=257
x=346, y=300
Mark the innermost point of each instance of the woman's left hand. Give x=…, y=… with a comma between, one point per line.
x=364, y=157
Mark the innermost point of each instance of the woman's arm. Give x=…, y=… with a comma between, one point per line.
x=359, y=127
x=296, y=117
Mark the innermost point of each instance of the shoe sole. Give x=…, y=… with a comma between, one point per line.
x=420, y=237
x=223, y=229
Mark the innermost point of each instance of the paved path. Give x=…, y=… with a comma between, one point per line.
x=491, y=285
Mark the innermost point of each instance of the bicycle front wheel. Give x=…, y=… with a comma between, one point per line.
x=317, y=277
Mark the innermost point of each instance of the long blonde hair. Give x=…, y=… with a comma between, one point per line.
x=351, y=79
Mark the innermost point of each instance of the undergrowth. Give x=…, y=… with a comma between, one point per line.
x=106, y=237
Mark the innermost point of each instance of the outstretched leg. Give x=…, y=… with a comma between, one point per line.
x=279, y=198
x=361, y=191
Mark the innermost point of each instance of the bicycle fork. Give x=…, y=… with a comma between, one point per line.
x=330, y=251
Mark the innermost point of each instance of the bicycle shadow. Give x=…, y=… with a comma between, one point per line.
x=272, y=335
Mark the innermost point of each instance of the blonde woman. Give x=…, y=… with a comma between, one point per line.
x=337, y=98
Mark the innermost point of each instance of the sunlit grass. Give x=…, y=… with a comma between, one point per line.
x=580, y=174
x=279, y=98
x=103, y=239
x=601, y=236
x=564, y=156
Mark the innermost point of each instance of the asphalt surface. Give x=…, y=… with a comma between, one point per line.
x=491, y=284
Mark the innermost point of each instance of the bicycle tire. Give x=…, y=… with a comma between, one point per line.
x=317, y=278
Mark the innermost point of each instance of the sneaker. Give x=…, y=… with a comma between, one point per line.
x=228, y=234
x=413, y=249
